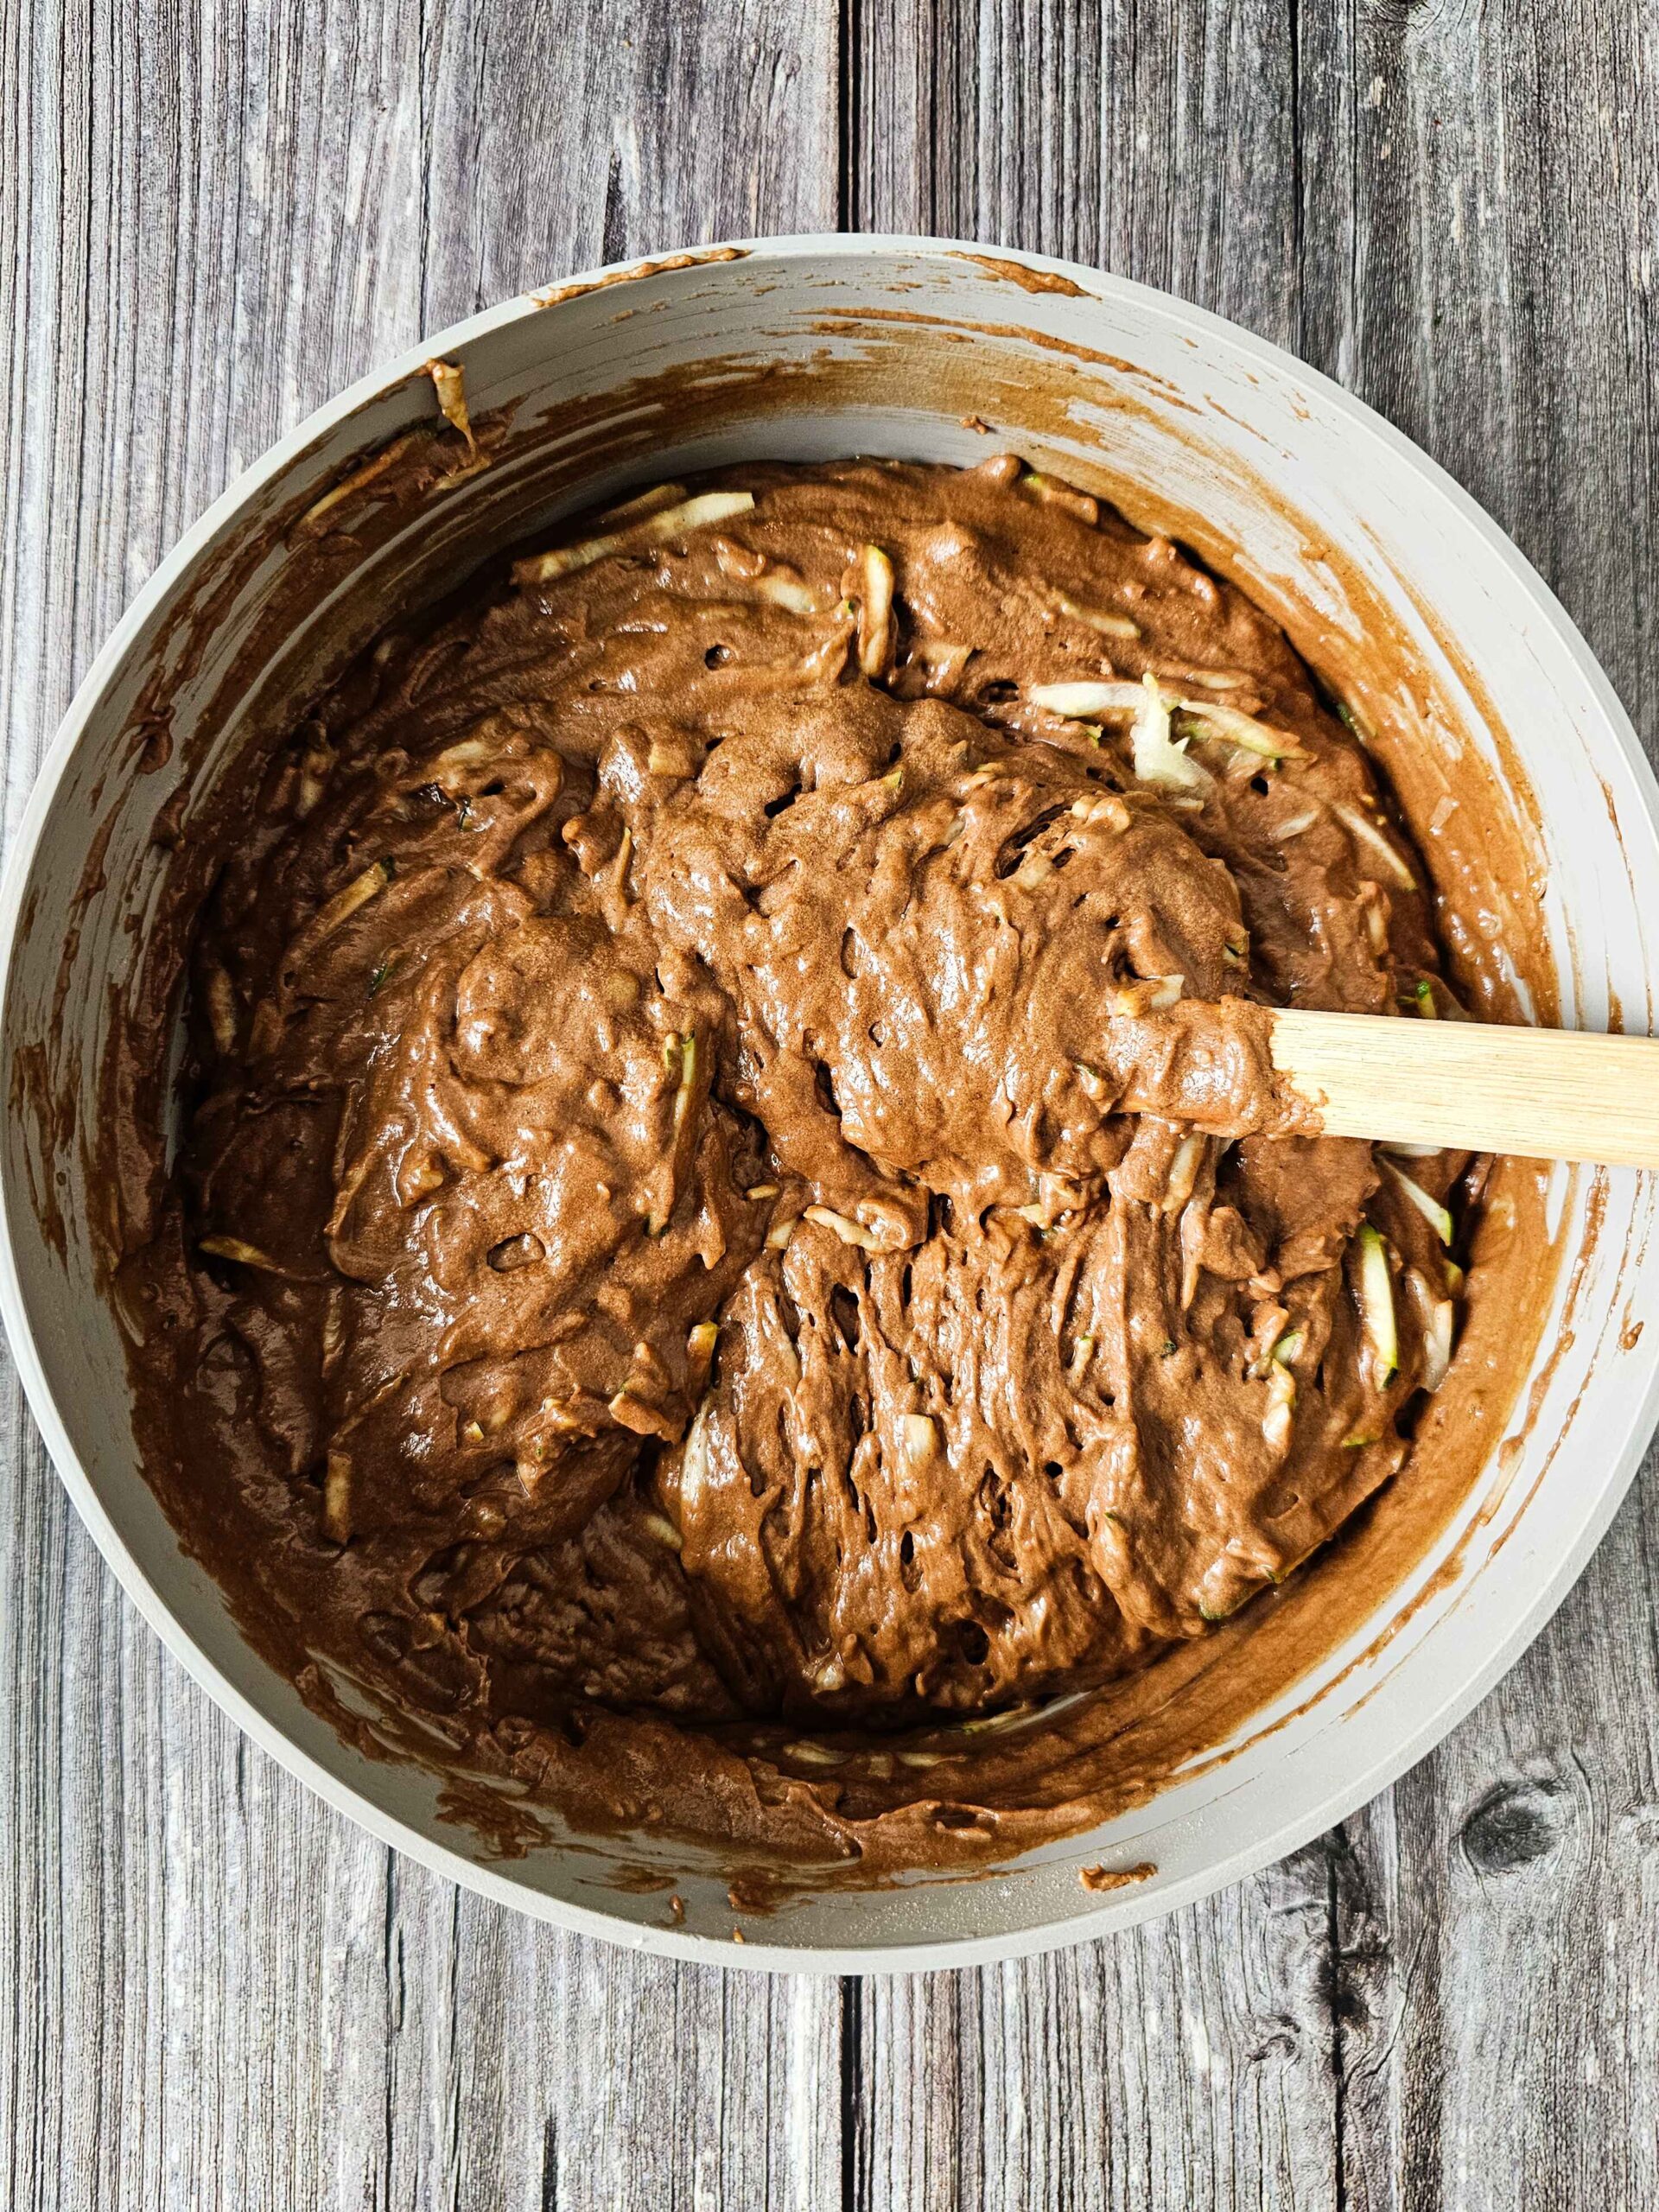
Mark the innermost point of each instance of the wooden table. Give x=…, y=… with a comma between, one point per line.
x=217, y=1993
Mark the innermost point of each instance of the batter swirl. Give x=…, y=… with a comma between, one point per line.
x=734, y=1183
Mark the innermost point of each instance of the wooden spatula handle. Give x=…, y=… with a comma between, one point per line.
x=1546, y=1094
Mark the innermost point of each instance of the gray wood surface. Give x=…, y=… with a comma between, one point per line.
x=215, y=1992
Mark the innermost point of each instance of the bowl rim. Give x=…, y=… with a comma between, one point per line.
x=1128, y=1908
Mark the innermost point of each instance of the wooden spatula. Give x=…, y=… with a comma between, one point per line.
x=1546, y=1094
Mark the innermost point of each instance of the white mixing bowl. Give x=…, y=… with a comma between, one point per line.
x=817, y=347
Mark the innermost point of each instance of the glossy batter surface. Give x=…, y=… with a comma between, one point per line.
x=735, y=1204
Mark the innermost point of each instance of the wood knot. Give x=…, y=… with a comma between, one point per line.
x=1280, y=2044
x=1513, y=1825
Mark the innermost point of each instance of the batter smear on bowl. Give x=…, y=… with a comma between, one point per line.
x=735, y=1236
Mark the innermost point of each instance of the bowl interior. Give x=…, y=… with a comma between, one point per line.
x=1398, y=591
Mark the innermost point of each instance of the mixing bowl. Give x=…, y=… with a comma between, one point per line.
x=1392, y=581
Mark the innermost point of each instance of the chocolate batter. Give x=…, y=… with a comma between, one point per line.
x=734, y=1206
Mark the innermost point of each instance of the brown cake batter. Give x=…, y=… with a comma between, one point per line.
x=734, y=1206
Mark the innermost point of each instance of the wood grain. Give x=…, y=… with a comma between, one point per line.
x=211, y=216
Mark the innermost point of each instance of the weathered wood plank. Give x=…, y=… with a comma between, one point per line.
x=590, y=134
x=1189, y=2063
x=1451, y=210
x=219, y=1992
x=1194, y=2061
x=144, y=1922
